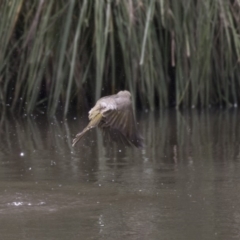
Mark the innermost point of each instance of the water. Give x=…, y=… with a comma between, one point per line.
x=185, y=184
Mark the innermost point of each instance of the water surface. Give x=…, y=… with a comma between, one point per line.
x=185, y=184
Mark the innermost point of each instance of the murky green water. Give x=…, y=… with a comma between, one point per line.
x=184, y=185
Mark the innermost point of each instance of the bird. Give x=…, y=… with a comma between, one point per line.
x=114, y=116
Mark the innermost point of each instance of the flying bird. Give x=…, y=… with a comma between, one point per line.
x=114, y=115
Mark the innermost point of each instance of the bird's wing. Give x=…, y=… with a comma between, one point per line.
x=120, y=124
x=114, y=135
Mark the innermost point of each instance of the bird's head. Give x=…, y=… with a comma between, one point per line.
x=124, y=93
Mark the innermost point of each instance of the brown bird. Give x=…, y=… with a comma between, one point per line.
x=114, y=115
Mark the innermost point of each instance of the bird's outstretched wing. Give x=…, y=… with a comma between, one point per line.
x=121, y=126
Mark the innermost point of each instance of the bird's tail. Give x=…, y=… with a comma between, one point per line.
x=94, y=122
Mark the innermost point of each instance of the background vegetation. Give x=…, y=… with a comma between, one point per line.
x=59, y=54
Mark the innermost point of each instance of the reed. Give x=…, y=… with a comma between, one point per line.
x=57, y=54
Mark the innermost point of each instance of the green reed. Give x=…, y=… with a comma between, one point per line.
x=54, y=54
